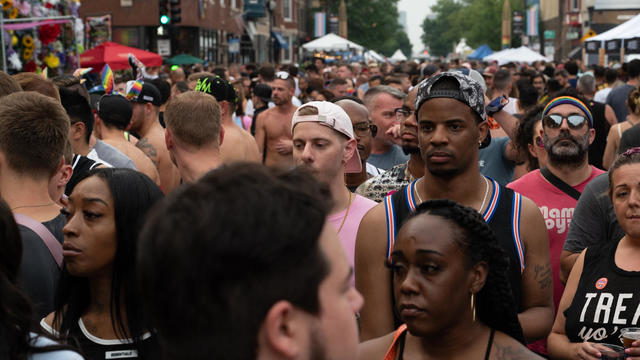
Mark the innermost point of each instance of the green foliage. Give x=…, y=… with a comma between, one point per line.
x=374, y=25
x=479, y=21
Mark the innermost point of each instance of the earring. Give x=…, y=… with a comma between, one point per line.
x=473, y=308
x=479, y=143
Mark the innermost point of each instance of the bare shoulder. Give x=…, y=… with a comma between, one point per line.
x=375, y=348
x=506, y=348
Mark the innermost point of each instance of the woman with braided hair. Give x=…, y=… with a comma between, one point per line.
x=450, y=289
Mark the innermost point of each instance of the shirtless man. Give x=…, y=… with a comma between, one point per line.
x=238, y=144
x=273, y=128
x=144, y=122
x=112, y=118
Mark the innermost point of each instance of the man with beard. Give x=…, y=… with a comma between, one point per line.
x=364, y=131
x=273, y=127
x=452, y=123
x=567, y=131
x=324, y=142
x=400, y=175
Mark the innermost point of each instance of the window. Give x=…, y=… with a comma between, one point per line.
x=286, y=53
x=287, y=10
x=574, y=5
x=234, y=4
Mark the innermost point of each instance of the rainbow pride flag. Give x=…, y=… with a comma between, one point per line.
x=134, y=88
x=107, y=79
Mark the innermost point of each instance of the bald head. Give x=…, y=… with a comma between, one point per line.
x=352, y=107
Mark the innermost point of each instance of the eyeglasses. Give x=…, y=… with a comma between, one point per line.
x=554, y=121
x=362, y=129
x=402, y=113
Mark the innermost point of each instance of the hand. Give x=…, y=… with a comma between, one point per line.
x=394, y=133
x=588, y=351
x=633, y=353
x=284, y=146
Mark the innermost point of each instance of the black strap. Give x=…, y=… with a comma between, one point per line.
x=488, y=352
x=557, y=182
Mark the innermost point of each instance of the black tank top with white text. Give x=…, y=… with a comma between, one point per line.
x=607, y=299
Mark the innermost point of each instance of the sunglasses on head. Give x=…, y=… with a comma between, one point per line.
x=554, y=121
x=282, y=75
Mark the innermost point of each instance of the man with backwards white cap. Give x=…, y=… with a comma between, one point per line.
x=324, y=142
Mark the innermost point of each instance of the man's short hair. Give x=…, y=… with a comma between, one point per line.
x=71, y=82
x=571, y=67
x=78, y=110
x=267, y=72
x=8, y=85
x=587, y=84
x=501, y=79
x=633, y=68
x=337, y=81
x=33, y=131
x=371, y=94
x=227, y=271
x=194, y=119
x=561, y=72
x=198, y=75
x=392, y=80
x=34, y=82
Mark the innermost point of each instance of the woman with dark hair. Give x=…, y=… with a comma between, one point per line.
x=529, y=139
x=601, y=296
x=616, y=131
x=17, y=341
x=97, y=304
x=450, y=290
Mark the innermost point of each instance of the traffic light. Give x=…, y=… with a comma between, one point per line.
x=163, y=8
x=175, y=11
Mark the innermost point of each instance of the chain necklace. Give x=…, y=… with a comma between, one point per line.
x=346, y=213
x=486, y=192
x=32, y=206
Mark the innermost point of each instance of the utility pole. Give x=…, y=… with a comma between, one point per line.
x=342, y=18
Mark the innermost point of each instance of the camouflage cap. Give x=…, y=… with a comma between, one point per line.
x=469, y=93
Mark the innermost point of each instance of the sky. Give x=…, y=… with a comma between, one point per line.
x=416, y=10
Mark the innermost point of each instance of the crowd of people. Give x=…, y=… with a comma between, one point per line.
x=435, y=210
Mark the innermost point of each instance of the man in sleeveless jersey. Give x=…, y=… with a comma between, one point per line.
x=451, y=125
x=567, y=131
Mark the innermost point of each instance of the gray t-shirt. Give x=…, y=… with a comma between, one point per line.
x=494, y=164
x=113, y=156
x=617, y=98
x=387, y=160
x=594, y=221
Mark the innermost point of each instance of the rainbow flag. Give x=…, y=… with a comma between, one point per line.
x=134, y=90
x=107, y=79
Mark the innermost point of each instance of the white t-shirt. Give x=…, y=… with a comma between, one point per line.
x=41, y=341
x=601, y=95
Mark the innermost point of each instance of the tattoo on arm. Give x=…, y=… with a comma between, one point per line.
x=543, y=275
x=507, y=352
x=146, y=147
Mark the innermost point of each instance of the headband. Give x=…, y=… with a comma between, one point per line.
x=571, y=101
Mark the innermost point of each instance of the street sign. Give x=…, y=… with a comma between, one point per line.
x=164, y=47
x=549, y=34
x=589, y=34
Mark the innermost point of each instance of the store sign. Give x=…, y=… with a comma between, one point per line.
x=632, y=46
x=612, y=46
x=573, y=35
x=549, y=34
x=126, y=3
x=592, y=46
x=164, y=47
x=234, y=45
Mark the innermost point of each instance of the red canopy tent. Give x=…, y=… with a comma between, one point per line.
x=117, y=56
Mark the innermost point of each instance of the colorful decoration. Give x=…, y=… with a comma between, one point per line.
x=52, y=61
x=135, y=90
x=48, y=33
x=6, y=4
x=107, y=79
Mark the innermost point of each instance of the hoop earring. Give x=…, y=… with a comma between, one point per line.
x=473, y=308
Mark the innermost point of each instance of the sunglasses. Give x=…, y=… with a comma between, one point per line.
x=554, y=121
x=282, y=75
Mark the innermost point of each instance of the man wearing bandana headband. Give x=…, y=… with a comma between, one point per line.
x=567, y=132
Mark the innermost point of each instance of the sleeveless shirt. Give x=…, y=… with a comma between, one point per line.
x=606, y=300
x=502, y=214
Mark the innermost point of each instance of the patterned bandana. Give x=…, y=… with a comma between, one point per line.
x=571, y=101
x=470, y=92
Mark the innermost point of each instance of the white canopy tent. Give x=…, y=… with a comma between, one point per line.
x=371, y=55
x=623, y=39
x=627, y=30
x=331, y=42
x=522, y=54
x=398, y=56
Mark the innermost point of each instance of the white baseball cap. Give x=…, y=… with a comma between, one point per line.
x=333, y=116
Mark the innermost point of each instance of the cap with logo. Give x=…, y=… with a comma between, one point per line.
x=333, y=116
x=217, y=87
x=143, y=92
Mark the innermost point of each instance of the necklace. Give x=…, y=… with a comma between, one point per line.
x=486, y=192
x=32, y=206
x=344, y=218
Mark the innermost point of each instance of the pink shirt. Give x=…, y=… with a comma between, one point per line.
x=557, y=209
x=347, y=235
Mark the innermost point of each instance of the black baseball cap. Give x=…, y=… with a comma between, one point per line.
x=217, y=87
x=143, y=92
x=115, y=110
x=263, y=92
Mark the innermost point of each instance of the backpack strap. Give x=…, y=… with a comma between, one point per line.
x=54, y=246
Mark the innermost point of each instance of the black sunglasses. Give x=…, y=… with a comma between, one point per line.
x=554, y=121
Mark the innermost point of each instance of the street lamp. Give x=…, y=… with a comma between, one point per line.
x=271, y=6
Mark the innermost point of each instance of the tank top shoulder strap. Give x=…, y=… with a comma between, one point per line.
x=398, y=206
x=487, y=353
x=398, y=340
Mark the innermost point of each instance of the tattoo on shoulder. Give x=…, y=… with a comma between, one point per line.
x=509, y=352
x=146, y=147
x=543, y=275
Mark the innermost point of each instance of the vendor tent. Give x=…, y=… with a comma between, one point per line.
x=522, y=55
x=117, y=56
x=624, y=36
x=331, y=42
x=371, y=55
x=398, y=56
x=481, y=52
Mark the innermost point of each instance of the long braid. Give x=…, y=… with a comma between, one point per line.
x=495, y=304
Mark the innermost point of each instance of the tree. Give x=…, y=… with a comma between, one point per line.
x=441, y=30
